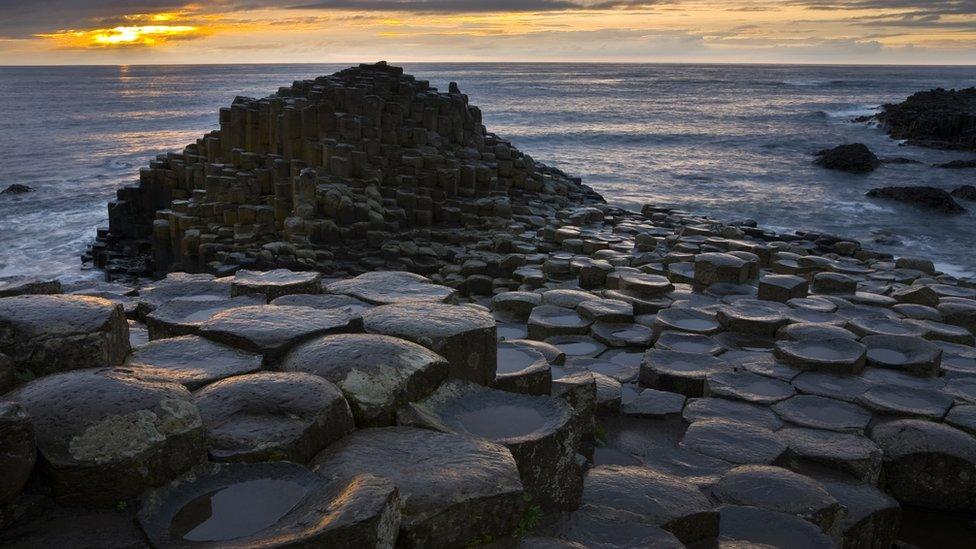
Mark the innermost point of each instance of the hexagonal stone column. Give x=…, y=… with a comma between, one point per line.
x=783, y=288
x=928, y=465
x=184, y=315
x=454, y=489
x=45, y=334
x=19, y=453
x=191, y=361
x=657, y=498
x=522, y=369
x=677, y=372
x=271, y=505
x=388, y=287
x=98, y=451
x=714, y=268
x=464, y=335
x=376, y=373
x=778, y=489
x=273, y=330
x=276, y=283
x=539, y=431
x=270, y=416
x=551, y=321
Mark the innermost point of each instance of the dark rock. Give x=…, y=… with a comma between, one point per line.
x=781, y=490
x=24, y=285
x=928, y=465
x=17, y=188
x=106, y=435
x=454, y=489
x=273, y=330
x=966, y=192
x=191, y=361
x=539, y=431
x=74, y=528
x=464, y=335
x=957, y=165
x=899, y=160
x=657, y=498
x=270, y=416
x=43, y=334
x=594, y=527
x=761, y=528
x=271, y=505
x=17, y=449
x=275, y=284
x=938, y=118
x=925, y=197
x=853, y=158
x=389, y=287
x=376, y=373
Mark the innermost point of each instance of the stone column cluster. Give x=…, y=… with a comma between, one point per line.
x=324, y=170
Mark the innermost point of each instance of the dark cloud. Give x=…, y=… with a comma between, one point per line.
x=473, y=6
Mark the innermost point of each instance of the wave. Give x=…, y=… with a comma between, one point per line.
x=851, y=112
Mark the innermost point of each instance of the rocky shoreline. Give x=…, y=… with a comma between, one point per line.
x=560, y=373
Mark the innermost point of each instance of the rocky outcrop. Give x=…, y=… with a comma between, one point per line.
x=931, y=198
x=853, y=158
x=939, y=118
x=343, y=173
x=17, y=188
x=958, y=165
x=966, y=192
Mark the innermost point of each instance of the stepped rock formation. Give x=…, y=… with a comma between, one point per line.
x=325, y=174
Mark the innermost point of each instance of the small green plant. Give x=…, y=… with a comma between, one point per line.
x=24, y=376
x=480, y=541
x=600, y=434
x=530, y=519
x=121, y=506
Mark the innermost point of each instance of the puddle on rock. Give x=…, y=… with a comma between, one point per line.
x=236, y=511
x=512, y=360
x=888, y=356
x=501, y=422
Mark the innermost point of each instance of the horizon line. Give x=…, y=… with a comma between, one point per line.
x=507, y=62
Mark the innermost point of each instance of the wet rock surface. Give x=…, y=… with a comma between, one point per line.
x=931, y=198
x=44, y=334
x=454, y=489
x=937, y=118
x=853, y=158
x=271, y=505
x=439, y=277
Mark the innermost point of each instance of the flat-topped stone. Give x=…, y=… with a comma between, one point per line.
x=872, y=517
x=732, y=441
x=276, y=283
x=273, y=330
x=963, y=417
x=682, y=319
x=753, y=317
x=884, y=326
x=593, y=527
x=677, y=372
x=454, y=489
x=780, y=490
x=906, y=401
x=747, y=527
x=464, y=335
x=269, y=416
x=191, y=361
x=805, y=331
x=927, y=464
x=748, y=387
x=644, y=285
x=181, y=285
x=19, y=450
x=848, y=453
x=549, y=321
x=271, y=505
x=184, y=315
x=388, y=287
x=136, y=434
x=783, y=288
x=566, y=298
x=522, y=369
x=842, y=356
x=376, y=373
x=518, y=304
x=44, y=334
x=823, y=413
x=713, y=268
x=658, y=498
x=906, y=353
x=654, y=404
x=734, y=410
x=24, y=285
x=606, y=310
x=826, y=384
x=622, y=334
x=688, y=343
x=538, y=430
x=347, y=303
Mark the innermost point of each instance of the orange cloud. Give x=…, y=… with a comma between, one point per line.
x=123, y=36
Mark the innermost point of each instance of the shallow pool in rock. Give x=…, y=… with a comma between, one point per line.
x=236, y=511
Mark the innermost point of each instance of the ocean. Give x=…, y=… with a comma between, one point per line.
x=731, y=142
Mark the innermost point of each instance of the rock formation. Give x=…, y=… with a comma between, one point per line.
x=853, y=158
x=368, y=167
x=932, y=198
x=939, y=118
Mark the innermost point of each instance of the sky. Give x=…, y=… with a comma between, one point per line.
x=72, y=32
